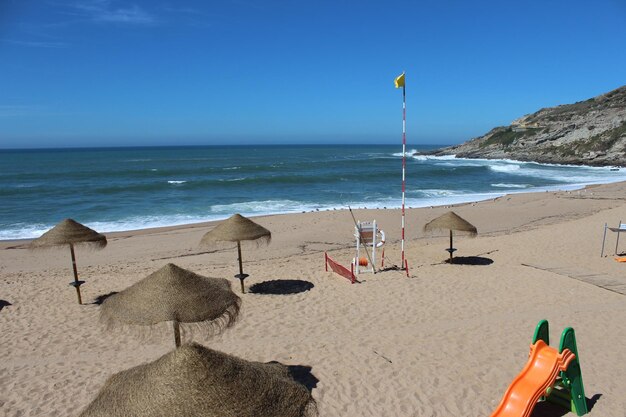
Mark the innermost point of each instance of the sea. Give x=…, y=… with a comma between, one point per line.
x=115, y=189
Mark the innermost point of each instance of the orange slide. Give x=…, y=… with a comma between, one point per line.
x=540, y=373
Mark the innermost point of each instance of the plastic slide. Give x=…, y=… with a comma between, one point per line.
x=540, y=373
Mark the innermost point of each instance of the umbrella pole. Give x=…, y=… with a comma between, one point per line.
x=241, y=275
x=450, y=245
x=76, y=282
x=176, y=333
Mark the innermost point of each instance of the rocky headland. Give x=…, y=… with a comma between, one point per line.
x=590, y=132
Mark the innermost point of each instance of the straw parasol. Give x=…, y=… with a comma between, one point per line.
x=237, y=229
x=194, y=381
x=177, y=295
x=70, y=232
x=451, y=221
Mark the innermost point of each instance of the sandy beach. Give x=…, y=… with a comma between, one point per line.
x=446, y=341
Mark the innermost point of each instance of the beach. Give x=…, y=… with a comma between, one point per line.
x=445, y=341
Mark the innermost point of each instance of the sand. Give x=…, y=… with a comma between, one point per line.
x=445, y=341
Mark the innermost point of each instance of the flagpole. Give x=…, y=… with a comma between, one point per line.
x=403, y=167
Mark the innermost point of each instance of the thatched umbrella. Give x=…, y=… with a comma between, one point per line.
x=236, y=229
x=194, y=381
x=177, y=295
x=451, y=221
x=70, y=232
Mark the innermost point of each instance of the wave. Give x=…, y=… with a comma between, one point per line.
x=264, y=207
x=408, y=153
x=504, y=168
x=24, y=231
x=581, y=175
x=216, y=212
x=417, y=156
x=503, y=185
x=138, y=196
x=233, y=179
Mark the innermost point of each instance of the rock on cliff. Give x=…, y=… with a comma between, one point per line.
x=590, y=132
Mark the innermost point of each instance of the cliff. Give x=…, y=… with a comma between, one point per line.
x=590, y=132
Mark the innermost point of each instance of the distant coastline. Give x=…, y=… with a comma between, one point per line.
x=590, y=133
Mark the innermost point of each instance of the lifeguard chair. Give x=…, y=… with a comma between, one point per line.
x=368, y=235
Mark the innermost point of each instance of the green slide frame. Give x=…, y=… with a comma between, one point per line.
x=569, y=392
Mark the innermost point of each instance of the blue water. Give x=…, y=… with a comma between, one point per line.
x=131, y=188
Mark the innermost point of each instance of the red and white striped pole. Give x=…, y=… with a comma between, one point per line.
x=403, y=164
x=400, y=82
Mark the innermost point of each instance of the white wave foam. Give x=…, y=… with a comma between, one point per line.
x=263, y=207
x=230, y=168
x=504, y=185
x=22, y=231
x=409, y=153
x=579, y=175
x=176, y=182
x=137, y=223
x=504, y=168
x=233, y=179
x=437, y=193
x=426, y=198
x=418, y=157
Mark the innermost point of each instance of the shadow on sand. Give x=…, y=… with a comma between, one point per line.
x=470, y=260
x=281, y=287
x=4, y=303
x=100, y=299
x=301, y=374
x=548, y=409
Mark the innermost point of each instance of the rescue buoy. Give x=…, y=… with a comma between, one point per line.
x=362, y=261
x=381, y=242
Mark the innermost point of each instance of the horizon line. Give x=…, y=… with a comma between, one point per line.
x=434, y=145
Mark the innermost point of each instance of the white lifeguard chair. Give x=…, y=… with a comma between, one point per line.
x=368, y=235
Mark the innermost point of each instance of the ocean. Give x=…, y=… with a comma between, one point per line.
x=113, y=189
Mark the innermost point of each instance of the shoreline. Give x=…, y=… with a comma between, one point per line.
x=209, y=223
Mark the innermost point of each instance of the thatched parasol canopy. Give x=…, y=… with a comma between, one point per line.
x=194, y=381
x=237, y=229
x=451, y=221
x=174, y=294
x=70, y=232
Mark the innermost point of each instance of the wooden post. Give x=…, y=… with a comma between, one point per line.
x=76, y=282
x=176, y=333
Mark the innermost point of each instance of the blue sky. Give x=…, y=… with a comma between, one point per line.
x=111, y=73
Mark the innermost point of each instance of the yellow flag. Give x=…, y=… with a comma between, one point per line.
x=400, y=81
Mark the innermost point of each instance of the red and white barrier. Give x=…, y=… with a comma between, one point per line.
x=340, y=269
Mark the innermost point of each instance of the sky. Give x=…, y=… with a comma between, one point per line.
x=82, y=73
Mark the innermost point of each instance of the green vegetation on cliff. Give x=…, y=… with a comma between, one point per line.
x=591, y=132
